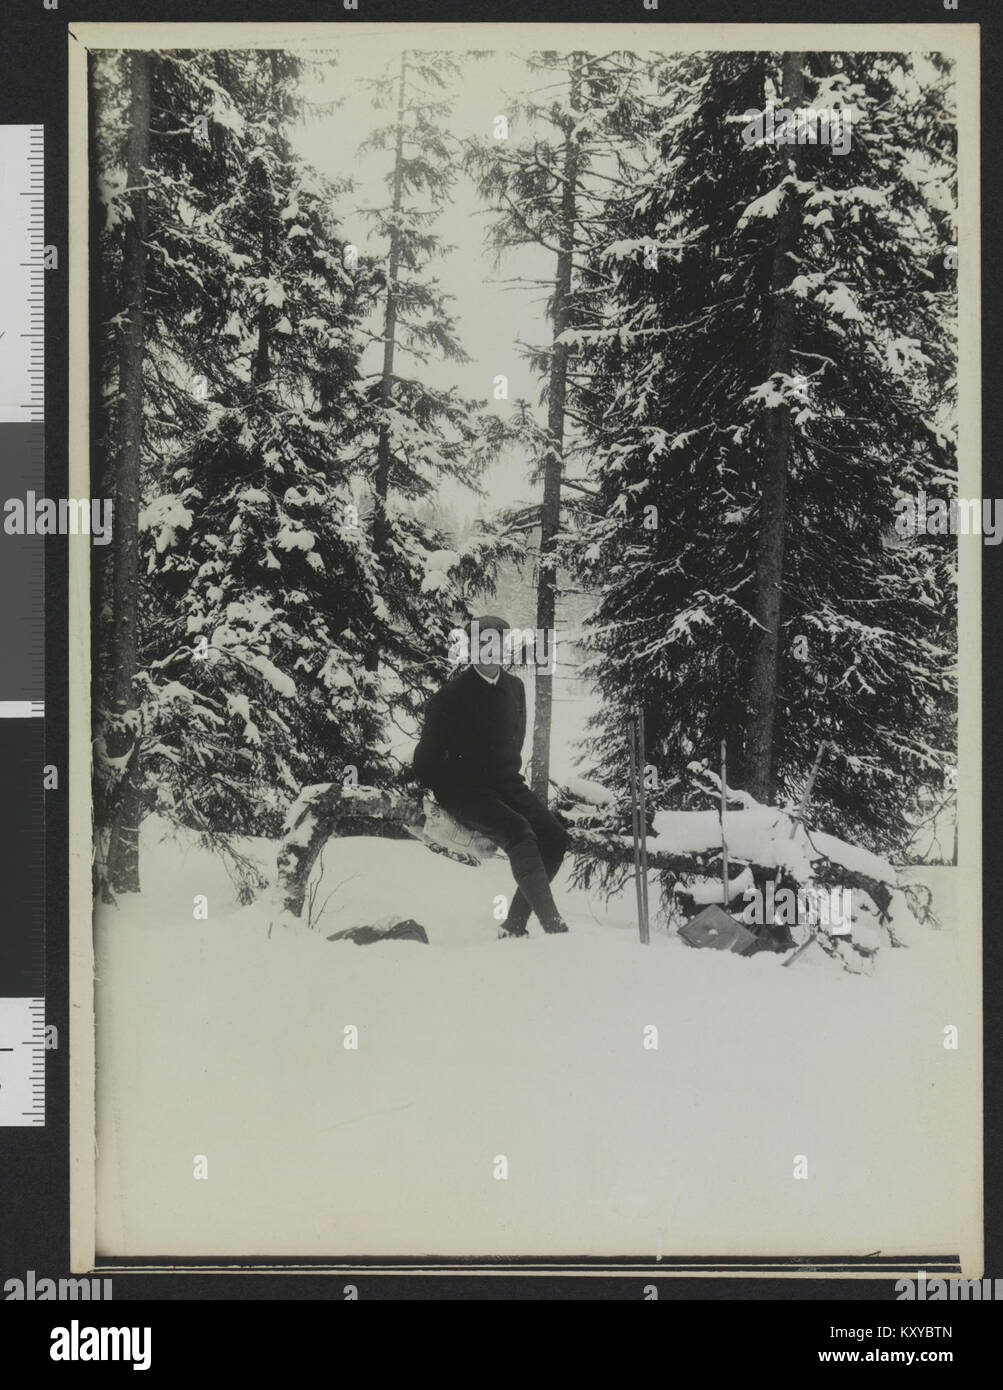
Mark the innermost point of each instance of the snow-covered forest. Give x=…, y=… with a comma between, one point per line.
x=744, y=354
x=546, y=334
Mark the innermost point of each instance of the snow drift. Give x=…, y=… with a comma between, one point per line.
x=215, y=1040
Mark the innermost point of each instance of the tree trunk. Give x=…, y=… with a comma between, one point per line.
x=553, y=468
x=381, y=481
x=761, y=742
x=123, y=857
x=261, y=368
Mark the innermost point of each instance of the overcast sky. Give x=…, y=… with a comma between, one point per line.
x=491, y=317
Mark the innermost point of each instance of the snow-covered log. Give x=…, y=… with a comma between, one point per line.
x=686, y=844
x=327, y=809
x=601, y=845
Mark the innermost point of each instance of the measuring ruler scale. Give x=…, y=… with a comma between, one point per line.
x=22, y=628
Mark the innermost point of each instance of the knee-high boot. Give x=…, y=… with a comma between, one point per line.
x=534, y=888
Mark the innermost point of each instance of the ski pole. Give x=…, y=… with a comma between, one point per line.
x=643, y=826
x=799, y=815
x=724, y=806
x=798, y=819
x=634, y=818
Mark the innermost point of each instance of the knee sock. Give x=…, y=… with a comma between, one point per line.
x=534, y=883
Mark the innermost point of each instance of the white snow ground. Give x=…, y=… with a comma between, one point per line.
x=215, y=1040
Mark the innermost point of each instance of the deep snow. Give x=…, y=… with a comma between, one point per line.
x=215, y=1040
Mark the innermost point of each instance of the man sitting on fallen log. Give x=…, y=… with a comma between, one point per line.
x=470, y=755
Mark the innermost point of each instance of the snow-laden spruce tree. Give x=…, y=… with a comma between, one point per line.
x=414, y=434
x=775, y=368
x=166, y=158
x=258, y=594
x=273, y=577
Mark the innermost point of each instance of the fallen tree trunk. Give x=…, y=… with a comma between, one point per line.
x=598, y=844
x=329, y=809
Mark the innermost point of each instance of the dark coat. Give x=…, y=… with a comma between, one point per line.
x=473, y=734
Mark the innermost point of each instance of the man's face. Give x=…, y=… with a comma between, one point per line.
x=487, y=650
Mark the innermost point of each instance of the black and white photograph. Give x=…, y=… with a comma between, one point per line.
x=529, y=656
